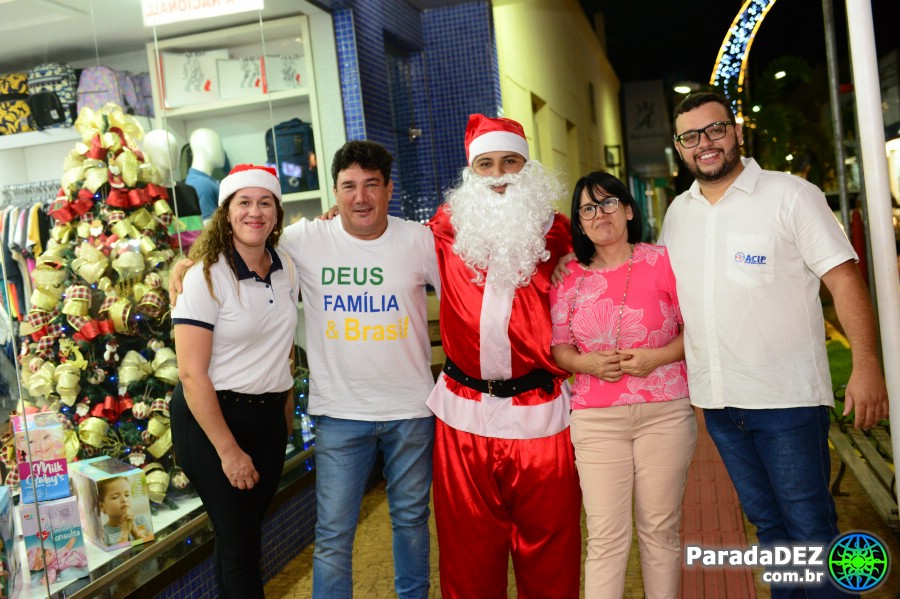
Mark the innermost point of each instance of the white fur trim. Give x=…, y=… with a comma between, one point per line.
x=497, y=141
x=497, y=416
x=249, y=178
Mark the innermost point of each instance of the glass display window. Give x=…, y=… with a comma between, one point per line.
x=99, y=122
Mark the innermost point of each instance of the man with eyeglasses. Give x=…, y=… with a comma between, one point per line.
x=504, y=466
x=749, y=248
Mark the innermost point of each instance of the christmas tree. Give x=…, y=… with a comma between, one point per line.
x=96, y=344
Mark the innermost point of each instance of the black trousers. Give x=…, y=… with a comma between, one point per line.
x=236, y=515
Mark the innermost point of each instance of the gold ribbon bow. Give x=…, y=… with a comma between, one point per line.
x=133, y=368
x=92, y=431
x=157, y=481
x=78, y=301
x=67, y=376
x=165, y=366
x=39, y=381
x=90, y=264
x=129, y=265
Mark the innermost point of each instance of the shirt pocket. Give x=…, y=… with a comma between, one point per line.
x=750, y=259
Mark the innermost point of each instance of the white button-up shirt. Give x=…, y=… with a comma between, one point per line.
x=747, y=271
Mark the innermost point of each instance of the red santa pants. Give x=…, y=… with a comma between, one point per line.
x=493, y=496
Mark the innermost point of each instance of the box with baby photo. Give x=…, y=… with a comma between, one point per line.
x=54, y=543
x=41, y=457
x=114, y=502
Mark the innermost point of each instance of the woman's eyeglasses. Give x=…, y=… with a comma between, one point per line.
x=606, y=206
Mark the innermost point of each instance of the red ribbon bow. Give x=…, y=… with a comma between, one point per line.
x=111, y=408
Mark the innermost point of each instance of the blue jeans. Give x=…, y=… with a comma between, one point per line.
x=345, y=453
x=779, y=462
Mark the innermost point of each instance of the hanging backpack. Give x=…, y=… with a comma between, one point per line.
x=15, y=114
x=101, y=85
x=52, y=88
x=144, y=91
x=129, y=92
x=293, y=143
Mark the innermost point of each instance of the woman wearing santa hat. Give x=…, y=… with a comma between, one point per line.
x=232, y=410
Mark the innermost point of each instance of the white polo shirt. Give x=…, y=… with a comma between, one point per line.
x=252, y=320
x=747, y=271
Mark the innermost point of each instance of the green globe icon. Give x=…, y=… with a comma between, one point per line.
x=858, y=561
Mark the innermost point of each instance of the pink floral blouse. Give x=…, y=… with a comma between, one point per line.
x=650, y=318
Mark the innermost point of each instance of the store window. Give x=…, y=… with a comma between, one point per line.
x=114, y=135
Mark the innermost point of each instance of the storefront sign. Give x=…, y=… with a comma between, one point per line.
x=647, y=129
x=160, y=12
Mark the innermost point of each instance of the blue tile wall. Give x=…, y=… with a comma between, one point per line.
x=463, y=78
x=442, y=66
x=419, y=192
x=351, y=89
x=286, y=531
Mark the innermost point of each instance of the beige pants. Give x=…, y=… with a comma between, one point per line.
x=642, y=450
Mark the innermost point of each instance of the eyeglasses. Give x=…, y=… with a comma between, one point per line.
x=713, y=131
x=606, y=206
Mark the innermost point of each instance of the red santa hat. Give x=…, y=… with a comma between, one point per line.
x=488, y=134
x=249, y=175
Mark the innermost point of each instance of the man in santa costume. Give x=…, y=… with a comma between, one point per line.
x=504, y=467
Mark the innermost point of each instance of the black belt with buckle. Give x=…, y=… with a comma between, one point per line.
x=536, y=379
x=251, y=400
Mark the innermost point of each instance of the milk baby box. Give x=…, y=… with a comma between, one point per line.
x=41, y=457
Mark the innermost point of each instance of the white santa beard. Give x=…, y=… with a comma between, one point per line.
x=503, y=233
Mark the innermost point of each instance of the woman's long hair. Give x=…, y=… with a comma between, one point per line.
x=217, y=240
x=581, y=243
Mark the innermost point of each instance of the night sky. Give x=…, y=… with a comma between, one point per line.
x=680, y=39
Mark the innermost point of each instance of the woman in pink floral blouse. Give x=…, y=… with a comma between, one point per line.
x=617, y=326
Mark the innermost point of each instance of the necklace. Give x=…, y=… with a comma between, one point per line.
x=621, y=306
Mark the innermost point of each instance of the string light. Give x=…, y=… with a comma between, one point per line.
x=730, y=66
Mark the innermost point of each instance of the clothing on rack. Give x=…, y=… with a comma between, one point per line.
x=24, y=233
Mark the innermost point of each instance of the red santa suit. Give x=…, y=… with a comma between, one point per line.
x=504, y=467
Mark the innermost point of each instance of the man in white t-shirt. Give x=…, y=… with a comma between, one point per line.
x=749, y=248
x=363, y=276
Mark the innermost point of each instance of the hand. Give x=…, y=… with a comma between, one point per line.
x=638, y=361
x=560, y=272
x=176, y=277
x=605, y=365
x=239, y=470
x=330, y=214
x=867, y=395
x=127, y=525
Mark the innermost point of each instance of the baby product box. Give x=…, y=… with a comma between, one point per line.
x=54, y=543
x=41, y=457
x=10, y=578
x=113, y=501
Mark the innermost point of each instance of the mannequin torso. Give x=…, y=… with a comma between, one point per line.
x=206, y=147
